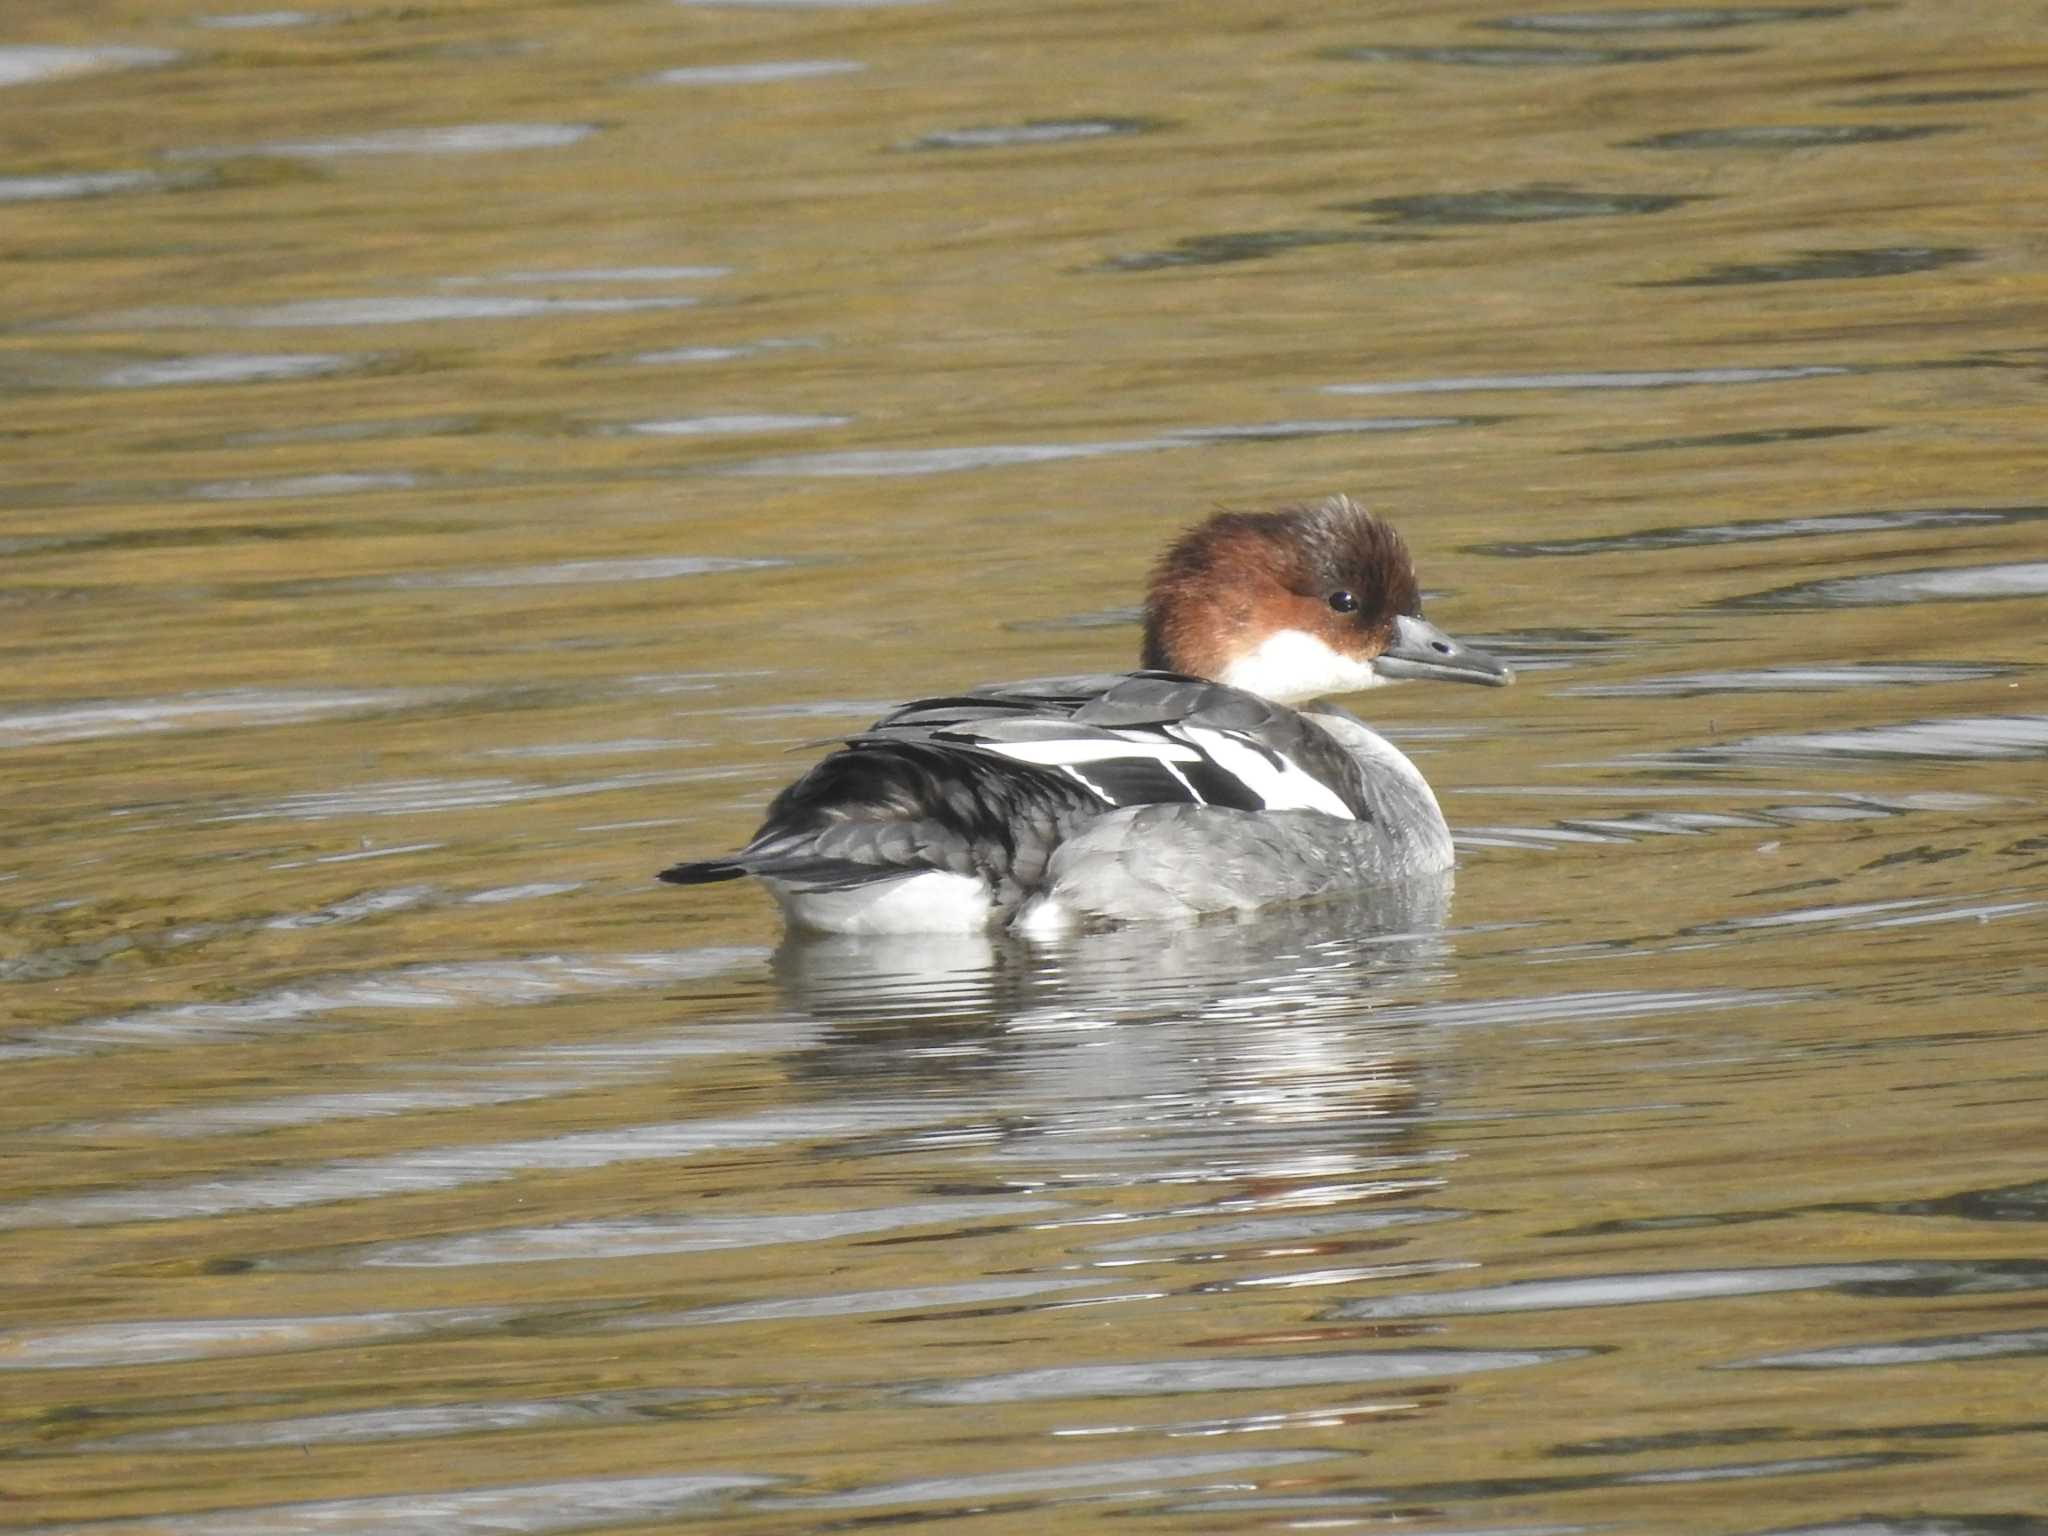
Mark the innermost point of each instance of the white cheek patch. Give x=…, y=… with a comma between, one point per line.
x=1278, y=782
x=1293, y=666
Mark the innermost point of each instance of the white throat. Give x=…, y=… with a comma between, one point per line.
x=1292, y=666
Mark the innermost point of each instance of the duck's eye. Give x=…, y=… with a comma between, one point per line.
x=1343, y=601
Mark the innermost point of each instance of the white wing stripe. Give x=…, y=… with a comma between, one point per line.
x=1282, y=785
x=1193, y=793
x=1086, y=783
x=1059, y=754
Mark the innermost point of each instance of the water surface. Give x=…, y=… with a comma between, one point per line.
x=454, y=456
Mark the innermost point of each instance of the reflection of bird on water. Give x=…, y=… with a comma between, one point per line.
x=1277, y=1047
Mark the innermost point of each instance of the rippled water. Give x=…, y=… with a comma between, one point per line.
x=454, y=454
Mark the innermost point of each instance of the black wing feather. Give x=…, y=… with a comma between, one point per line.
x=929, y=786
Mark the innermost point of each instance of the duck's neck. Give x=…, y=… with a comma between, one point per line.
x=1294, y=667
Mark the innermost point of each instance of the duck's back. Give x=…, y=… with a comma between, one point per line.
x=1066, y=799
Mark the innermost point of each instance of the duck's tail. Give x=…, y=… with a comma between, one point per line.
x=703, y=872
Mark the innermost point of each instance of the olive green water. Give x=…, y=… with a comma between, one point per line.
x=451, y=451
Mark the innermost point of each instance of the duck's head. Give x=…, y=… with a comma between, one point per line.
x=1298, y=604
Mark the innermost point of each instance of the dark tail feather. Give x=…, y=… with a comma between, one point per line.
x=702, y=872
x=805, y=871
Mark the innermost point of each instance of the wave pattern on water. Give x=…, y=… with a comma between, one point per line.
x=1524, y=56
x=448, y=1168
x=1660, y=378
x=162, y=1340
x=704, y=379
x=24, y=64
x=535, y=1508
x=235, y=708
x=1943, y=584
x=1155, y=1377
x=1768, y=530
x=1676, y=18
x=376, y=1425
x=299, y=1005
x=227, y=368
x=1958, y=738
x=1629, y=1290
x=463, y=139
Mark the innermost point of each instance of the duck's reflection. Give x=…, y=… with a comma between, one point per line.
x=1139, y=969
x=1246, y=1047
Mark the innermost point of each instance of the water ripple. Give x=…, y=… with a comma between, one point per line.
x=887, y=462
x=422, y=797
x=1964, y=96
x=1706, y=18
x=463, y=139
x=1059, y=130
x=573, y=572
x=297, y=1004
x=23, y=64
x=435, y=1169
x=1224, y=247
x=319, y=314
x=1925, y=1277
x=1759, y=437
x=1828, y=266
x=531, y=1509
x=921, y=1298
x=55, y=961
x=371, y=1425
x=1281, y=431
x=1941, y=584
x=1526, y=56
x=759, y=73
x=1790, y=679
x=233, y=708
x=2008, y=1202
x=57, y=188
x=247, y=21
x=933, y=461
x=1653, y=378
x=1825, y=525
x=1967, y=738
x=719, y=354
x=955, y=1492
x=630, y=1237
x=1526, y=1487
x=799, y=5
x=1585, y=1007
x=1966, y=1346
x=1792, y=136
x=727, y=425
x=160, y=1340
x=1521, y=205
x=1218, y=1237
x=298, y=487
x=588, y=275
x=501, y=1077
x=1151, y=1378
x=228, y=368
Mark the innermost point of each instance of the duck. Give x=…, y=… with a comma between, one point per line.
x=1216, y=778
